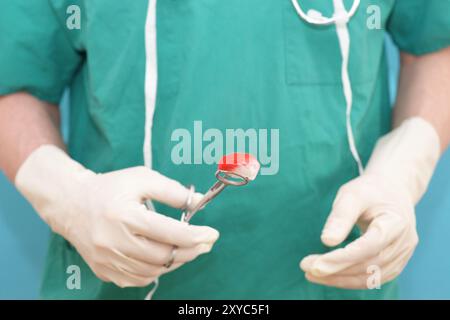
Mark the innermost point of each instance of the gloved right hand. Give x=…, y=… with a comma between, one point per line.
x=104, y=217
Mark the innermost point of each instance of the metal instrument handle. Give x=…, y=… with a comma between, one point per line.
x=211, y=194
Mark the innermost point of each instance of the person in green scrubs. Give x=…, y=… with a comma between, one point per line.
x=138, y=71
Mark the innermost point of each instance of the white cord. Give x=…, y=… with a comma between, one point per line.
x=342, y=17
x=151, y=80
x=150, y=294
x=315, y=17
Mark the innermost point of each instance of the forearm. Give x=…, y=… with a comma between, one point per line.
x=25, y=124
x=424, y=91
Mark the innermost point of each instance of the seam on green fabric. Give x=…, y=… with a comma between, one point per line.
x=46, y=97
x=63, y=27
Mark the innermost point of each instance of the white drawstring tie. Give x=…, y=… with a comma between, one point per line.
x=340, y=18
x=151, y=81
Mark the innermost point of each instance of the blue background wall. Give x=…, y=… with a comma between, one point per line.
x=23, y=238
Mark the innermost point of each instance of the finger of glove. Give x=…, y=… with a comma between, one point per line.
x=122, y=278
x=366, y=278
x=382, y=231
x=307, y=262
x=134, y=266
x=385, y=261
x=158, y=253
x=151, y=185
x=347, y=208
x=160, y=228
x=343, y=282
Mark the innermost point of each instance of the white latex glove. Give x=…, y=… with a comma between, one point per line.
x=105, y=219
x=381, y=202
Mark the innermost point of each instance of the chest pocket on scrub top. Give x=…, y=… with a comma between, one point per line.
x=313, y=55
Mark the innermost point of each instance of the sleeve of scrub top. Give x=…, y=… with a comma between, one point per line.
x=36, y=55
x=420, y=26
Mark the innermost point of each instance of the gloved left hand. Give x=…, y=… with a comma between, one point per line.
x=381, y=202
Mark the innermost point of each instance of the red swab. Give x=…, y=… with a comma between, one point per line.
x=241, y=164
x=235, y=169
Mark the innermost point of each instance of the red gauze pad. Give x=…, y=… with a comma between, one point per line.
x=242, y=164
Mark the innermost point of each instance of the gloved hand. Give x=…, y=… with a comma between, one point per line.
x=105, y=219
x=381, y=202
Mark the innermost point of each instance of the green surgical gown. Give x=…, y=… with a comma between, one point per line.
x=230, y=64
